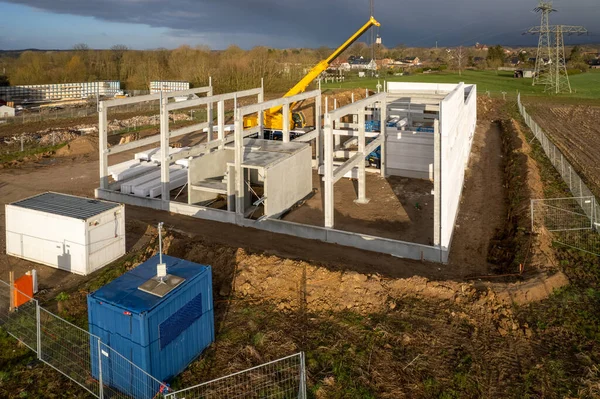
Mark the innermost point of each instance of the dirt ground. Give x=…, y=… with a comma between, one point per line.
x=398, y=208
x=574, y=129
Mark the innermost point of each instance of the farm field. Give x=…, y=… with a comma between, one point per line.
x=575, y=131
x=585, y=85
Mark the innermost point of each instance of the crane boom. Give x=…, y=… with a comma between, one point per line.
x=273, y=117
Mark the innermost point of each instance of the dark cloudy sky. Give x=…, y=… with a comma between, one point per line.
x=146, y=24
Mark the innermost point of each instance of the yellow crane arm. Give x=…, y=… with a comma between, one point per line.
x=324, y=64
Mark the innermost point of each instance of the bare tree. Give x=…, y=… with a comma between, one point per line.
x=81, y=47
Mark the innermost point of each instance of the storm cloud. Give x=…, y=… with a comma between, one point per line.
x=313, y=23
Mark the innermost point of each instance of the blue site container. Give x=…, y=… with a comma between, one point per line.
x=159, y=335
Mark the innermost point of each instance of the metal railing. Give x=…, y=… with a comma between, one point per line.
x=284, y=378
x=74, y=352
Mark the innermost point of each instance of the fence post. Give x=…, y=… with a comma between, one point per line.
x=100, y=385
x=302, y=393
x=21, y=143
x=38, y=326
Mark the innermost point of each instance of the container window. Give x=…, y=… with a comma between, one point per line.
x=179, y=321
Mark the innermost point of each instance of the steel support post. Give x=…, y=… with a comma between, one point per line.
x=100, y=383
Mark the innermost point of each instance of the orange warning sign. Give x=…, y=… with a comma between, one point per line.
x=23, y=290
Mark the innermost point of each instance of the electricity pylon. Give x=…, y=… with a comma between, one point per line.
x=550, y=64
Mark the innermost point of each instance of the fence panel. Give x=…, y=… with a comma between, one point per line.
x=66, y=348
x=20, y=322
x=281, y=379
x=121, y=379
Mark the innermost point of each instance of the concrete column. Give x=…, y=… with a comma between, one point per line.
x=362, y=174
x=231, y=179
x=383, y=151
x=286, y=123
x=209, y=117
x=164, y=148
x=318, y=126
x=337, y=139
x=221, y=121
x=261, y=114
x=437, y=185
x=103, y=145
x=328, y=186
x=239, y=176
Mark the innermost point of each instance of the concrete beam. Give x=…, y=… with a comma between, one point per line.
x=103, y=145
x=251, y=109
x=153, y=97
x=353, y=108
x=344, y=168
x=213, y=99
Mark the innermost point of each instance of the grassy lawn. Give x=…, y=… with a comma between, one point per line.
x=585, y=85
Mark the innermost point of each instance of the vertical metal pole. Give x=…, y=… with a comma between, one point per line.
x=21, y=143
x=160, y=225
x=302, y=393
x=38, y=327
x=100, y=383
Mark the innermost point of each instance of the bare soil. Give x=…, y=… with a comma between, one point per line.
x=398, y=208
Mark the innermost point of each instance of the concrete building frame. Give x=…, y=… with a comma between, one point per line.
x=454, y=128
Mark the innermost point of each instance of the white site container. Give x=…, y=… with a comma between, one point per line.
x=79, y=235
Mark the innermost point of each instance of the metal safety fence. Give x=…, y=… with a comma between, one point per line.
x=572, y=221
x=105, y=373
x=74, y=352
x=280, y=379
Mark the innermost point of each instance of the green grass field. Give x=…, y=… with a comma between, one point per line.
x=584, y=85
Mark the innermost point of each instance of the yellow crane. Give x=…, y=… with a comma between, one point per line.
x=273, y=117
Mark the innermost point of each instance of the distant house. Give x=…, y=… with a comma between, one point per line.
x=340, y=64
x=595, y=64
x=534, y=59
x=514, y=61
x=412, y=60
x=479, y=46
x=7, y=112
x=360, y=63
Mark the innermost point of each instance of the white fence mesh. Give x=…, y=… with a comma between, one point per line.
x=572, y=221
x=74, y=352
x=281, y=379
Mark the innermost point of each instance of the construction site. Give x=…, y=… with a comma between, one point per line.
x=418, y=240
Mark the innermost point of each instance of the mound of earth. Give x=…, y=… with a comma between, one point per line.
x=83, y=145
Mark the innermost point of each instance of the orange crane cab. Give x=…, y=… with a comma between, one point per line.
x=273, y=117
